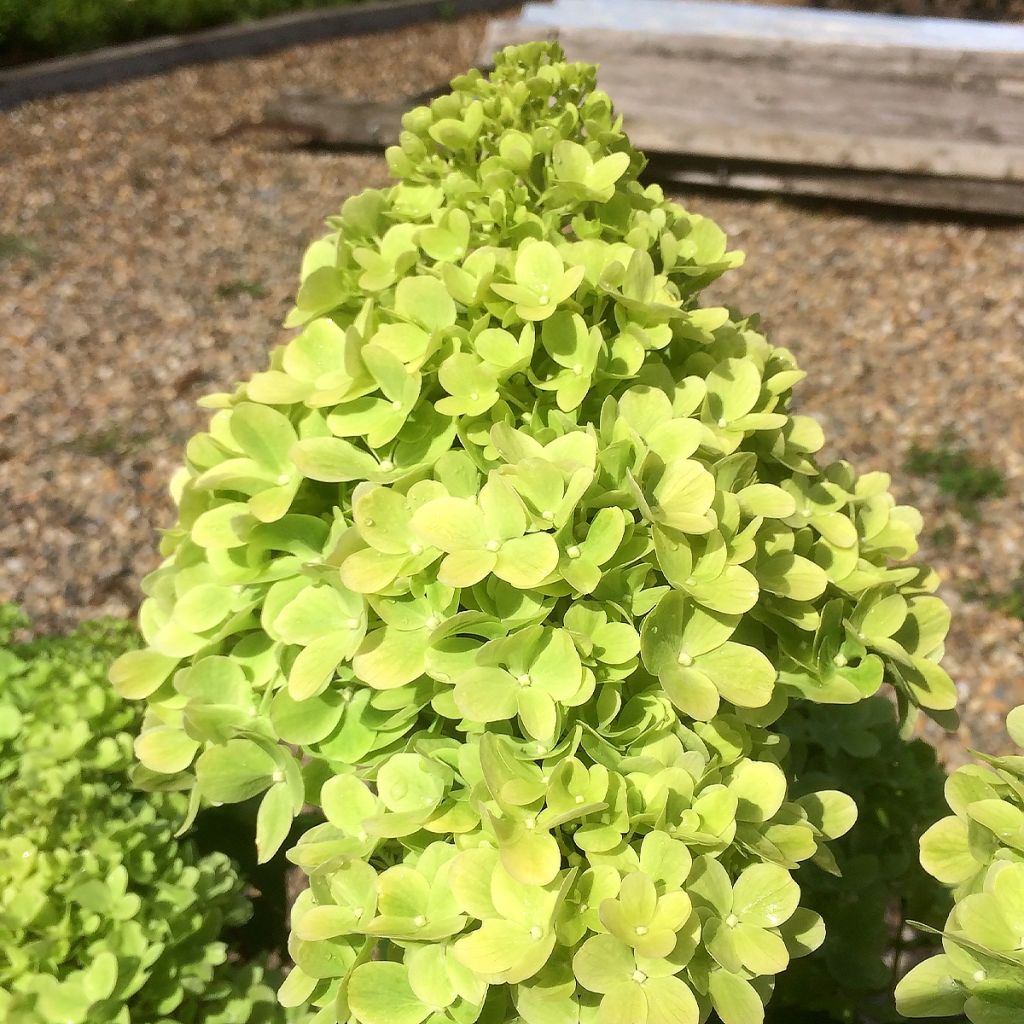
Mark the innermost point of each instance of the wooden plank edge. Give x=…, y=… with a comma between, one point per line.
x=114, y=64
x=890, y=190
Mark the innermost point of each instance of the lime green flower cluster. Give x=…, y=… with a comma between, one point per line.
x=979, y=852
x=104, y=917
x=507, y=563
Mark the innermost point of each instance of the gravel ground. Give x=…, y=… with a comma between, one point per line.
x=144, y=262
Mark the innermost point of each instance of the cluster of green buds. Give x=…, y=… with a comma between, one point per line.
x=507, y=563
x=978, y=851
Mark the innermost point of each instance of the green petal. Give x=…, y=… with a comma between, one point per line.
x=137, y=674
x=760, y=789
x=765, y=895
x=165, y=749
x=389, y=658
x=526, y=561
x=273, y=821
x=691, y=691
x=743, y=675
x=333, y=460
x=602, y=962
x=931, y=990
x=486, y=695
x=234, y=772
x=451, y=524
x=379, y=993
x=426, y=302
x=946, y=853
x=670, y=1001
x=315, y=665
x=736, y=1001
x=760, y=951
x=625, y=1001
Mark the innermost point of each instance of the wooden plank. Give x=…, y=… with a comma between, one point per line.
x=924, y=192
x=799, y=96
x=329, y=120
x=930, y=111
x=153, y=56
x=764, y=23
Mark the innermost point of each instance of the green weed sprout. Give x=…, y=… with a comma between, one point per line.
x=105, y=918
x=507, y=564
x=978, y=851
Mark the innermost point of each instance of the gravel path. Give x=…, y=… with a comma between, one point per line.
x=144, y=263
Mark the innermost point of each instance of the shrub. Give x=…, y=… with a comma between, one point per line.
x=979, y=852
x=104, y=917
x=46, y=28
x=509, y=564
x=879, y=885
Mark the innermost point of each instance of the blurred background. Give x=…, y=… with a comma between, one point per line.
x=150, y=238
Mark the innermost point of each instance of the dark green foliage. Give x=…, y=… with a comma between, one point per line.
x=958, y=474
x=898, y=788
x=239, y=286
x=32, y=29
x=105, y=918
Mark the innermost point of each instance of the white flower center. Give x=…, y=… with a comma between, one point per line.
x=639, y=977
x=732, y=920
x=685, y=659
x=493, y=545
x=572, y=551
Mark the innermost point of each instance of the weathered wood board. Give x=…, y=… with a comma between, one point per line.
x=879, y=101
x=906, y=111
x=926, y=98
